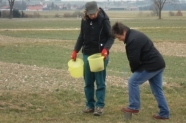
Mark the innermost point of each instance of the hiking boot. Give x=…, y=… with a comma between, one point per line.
x=159, y=117
x=129, y=110
x=98, y=111
x=88, y=110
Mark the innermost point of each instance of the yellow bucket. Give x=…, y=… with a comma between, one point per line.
x=96, y=62
x=76, y=68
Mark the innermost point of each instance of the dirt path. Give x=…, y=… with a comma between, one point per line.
x=46, y=29
x=18, y=77
x=166, y=48
x=38, y=29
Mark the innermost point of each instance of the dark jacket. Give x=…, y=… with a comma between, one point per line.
x=141, y=53
x=95, y=35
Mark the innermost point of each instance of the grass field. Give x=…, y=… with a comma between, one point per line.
x=36, y=87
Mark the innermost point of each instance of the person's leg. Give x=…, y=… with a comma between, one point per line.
x=101, y=89
x=156, y=87
x=89, y=79
x=134, y=81
x=101, y=86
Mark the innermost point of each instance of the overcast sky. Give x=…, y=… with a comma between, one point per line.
x=100, y=0
x=107, y=0
x=103, y=0
x=110, y=0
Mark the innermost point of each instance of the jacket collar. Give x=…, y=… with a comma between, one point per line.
x=127, y=35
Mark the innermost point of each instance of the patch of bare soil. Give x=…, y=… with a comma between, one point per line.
x=166, y=48
x=38, y=29
x=19, y=77
x=172, y=48
x=9, y=40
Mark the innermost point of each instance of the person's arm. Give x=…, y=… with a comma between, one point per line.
x=107, y=29
x=79, y=42
x=133, y=54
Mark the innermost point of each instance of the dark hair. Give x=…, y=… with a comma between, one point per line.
x=118, y=28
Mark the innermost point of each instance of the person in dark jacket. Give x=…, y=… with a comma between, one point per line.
x=95, y=37
x=146, y=63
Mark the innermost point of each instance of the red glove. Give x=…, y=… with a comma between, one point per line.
x=74, y=55
x=104, y=53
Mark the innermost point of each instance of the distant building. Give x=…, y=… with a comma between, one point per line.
x=5, y=8
x=133, y=8
x=122, y=5
x=34, y=8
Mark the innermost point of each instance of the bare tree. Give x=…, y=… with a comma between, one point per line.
x=11, y=4
x=159, y=5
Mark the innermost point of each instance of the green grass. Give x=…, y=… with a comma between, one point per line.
x=61, y=105
x=157, y=34
x=35, y=23
x=175, y=29
x=46, y=34
x=52, y=50
x=40, y=54
x=65, y=106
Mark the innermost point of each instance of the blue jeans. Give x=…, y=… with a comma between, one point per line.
x=90, y=78
x=155, y=81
